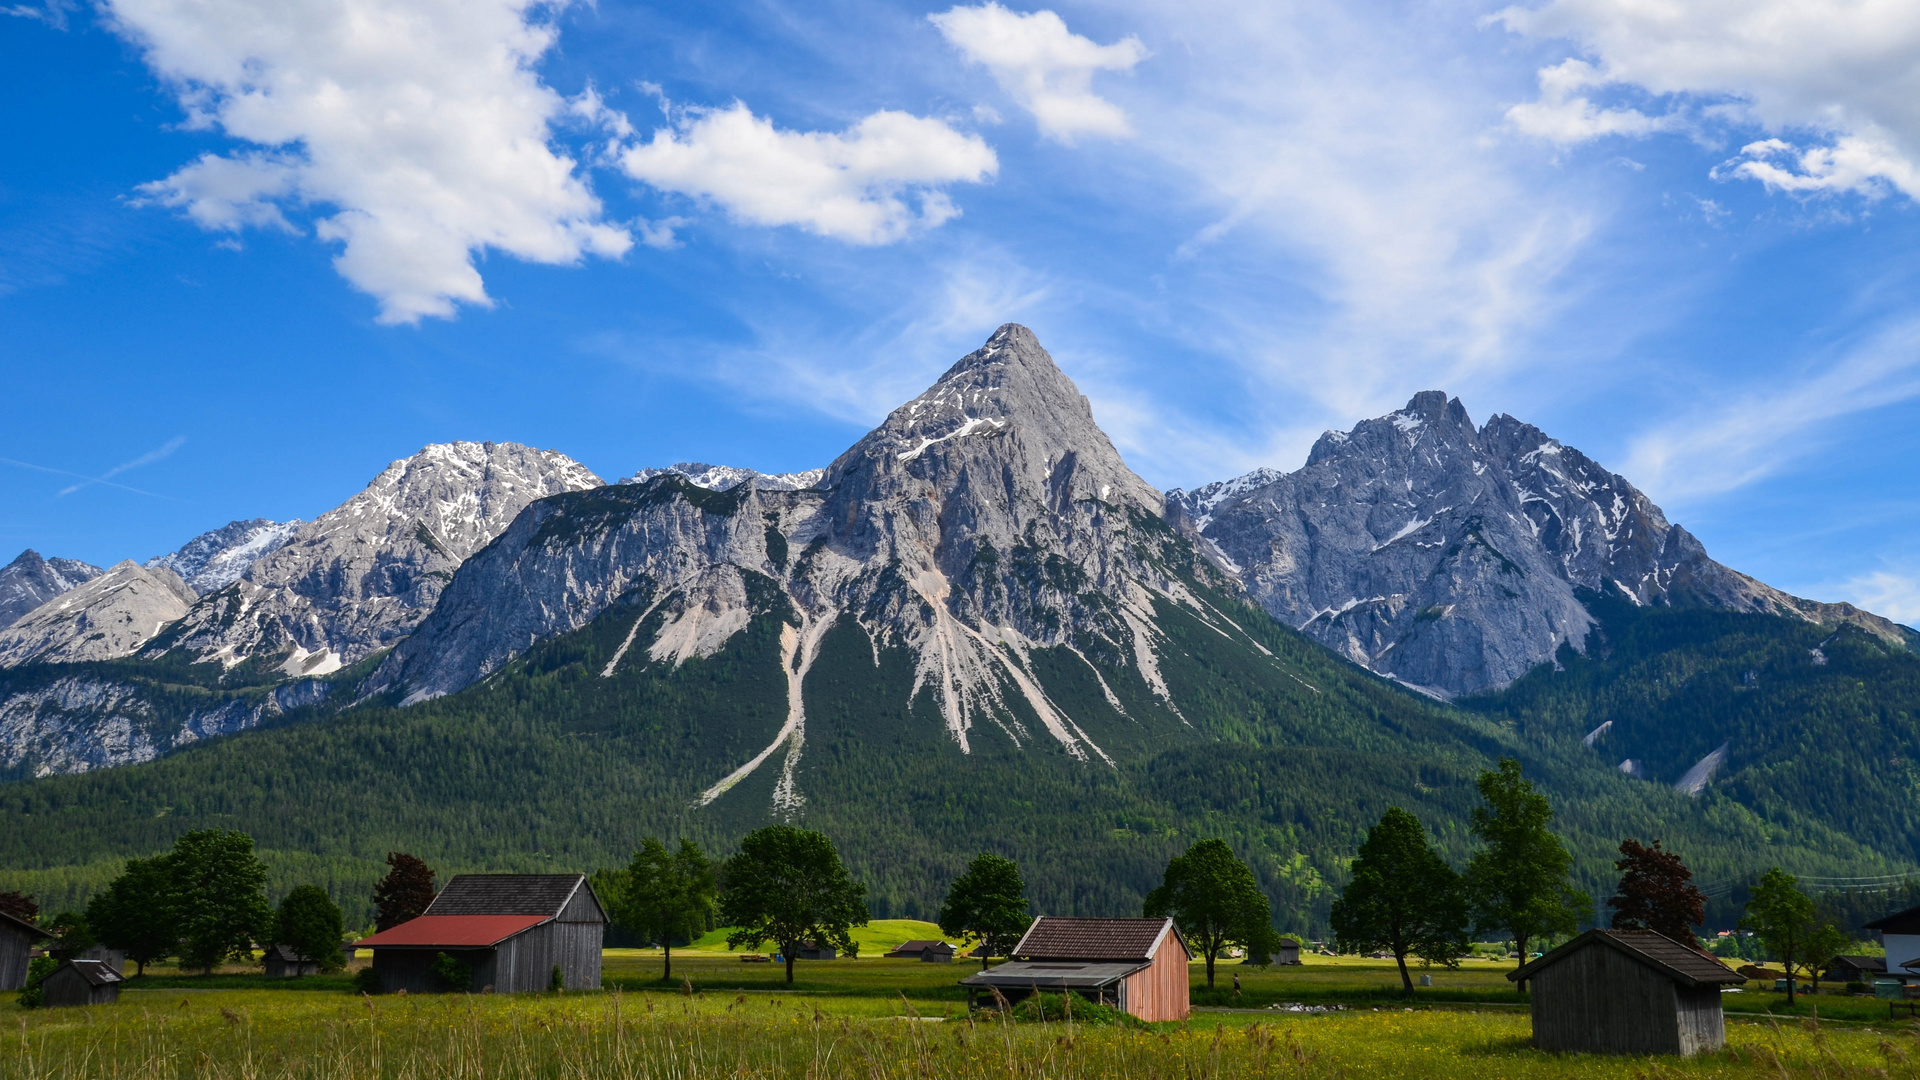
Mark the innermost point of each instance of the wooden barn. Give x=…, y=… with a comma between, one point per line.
x=930, y=951
x=511, y=930
x=282, y=962
x=1136, y=965
x=815, y=950
x=1627, y=992
x=82, y=982
x=17, y=936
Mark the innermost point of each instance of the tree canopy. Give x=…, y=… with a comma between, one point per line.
x=1783, y=918
x=787, y=885
x=311, y=925
x=218, y=897
x=1520, y=882
x=134, y=913
x=1403, y=898
x=404, y=893
x=667, y=894
x=987, y=904
x=1215, y=901
x=1656, y=893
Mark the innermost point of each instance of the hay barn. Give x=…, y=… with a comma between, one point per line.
x=1136, y=965
x=1627, y=992
x=510, y=930
x=82, y=982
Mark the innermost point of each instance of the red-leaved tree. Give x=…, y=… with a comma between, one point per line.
x=19, y=905
x=404, y=893
x=1656, y=893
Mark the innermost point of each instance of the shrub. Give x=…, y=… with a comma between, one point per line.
x=368, y=981
x=559, y=980
x=1053, y=1007
x=452, y=973
x=33, y=995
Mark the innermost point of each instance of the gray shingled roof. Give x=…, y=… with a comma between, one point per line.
x=1021, y=975
x=96, y=972
x=506, y=894
x=1900, y=922
x=1662, y=953
x=1053, y=937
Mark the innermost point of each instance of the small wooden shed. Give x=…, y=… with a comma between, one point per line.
x=1136, y=965
x=929, y=950
x=82, y=982
x=511, y=930
x=1627, y=992
x=17, y=936
x=282, y=962
x=815, y=950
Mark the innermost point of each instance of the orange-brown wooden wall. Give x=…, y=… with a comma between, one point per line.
x=1160, y=992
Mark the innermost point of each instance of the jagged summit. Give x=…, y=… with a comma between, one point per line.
x=215, y=559
x=728, y=477
x=105, y=617
x=29, y=581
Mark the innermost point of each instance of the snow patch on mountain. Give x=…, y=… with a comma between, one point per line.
x=728, y=477
x=213, y=560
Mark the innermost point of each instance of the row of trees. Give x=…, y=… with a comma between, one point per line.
x=1404, y=899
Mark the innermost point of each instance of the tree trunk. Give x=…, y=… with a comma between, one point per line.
x=1786, y=962
x=1520, y=940
x=787, y=952
x=1212, y=951
x=1406, y=980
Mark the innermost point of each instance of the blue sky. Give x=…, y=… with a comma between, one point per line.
x=251, y=253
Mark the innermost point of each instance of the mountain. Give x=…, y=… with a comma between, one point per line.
x=104, y=617
x=29, y=581
x=1449, y=557
x=726, y=477
x=360, y=577
x=985, y=521
x=214, y=560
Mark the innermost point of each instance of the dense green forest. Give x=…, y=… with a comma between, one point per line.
x=1279, y=746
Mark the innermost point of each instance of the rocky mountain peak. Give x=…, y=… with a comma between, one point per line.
x=105, y=617
x=215, y=559
x=728, y=477
x=29, y=581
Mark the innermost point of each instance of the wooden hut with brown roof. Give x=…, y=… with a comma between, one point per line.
x=17, y=936
x=511, y=930
x=1627, y=992
x=82, y=982
x=1136, y=965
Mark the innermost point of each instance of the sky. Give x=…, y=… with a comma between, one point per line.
x=250, y=253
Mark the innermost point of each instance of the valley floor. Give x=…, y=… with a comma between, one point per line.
x=881, y=1019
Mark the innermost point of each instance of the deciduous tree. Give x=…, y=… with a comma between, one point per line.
x=1520, y=883
x=1784, y=919
x=218, y=891
x=787, y=885
x=311, y=925
x=987, y=904
x=134, y=913
x=1656, y=893
x=1403, y=898
x=665, y=894
x=19, y=905
x=71, y=935
x=404, y=893
x=1214, y=900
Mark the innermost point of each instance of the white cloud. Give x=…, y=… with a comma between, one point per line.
x=52, y=12
x=1563, y=115
x=1753, y=435
x=1044, y=66
x=420, y=124
x=1896, y=596
x=874, y=183
x=1840, y=73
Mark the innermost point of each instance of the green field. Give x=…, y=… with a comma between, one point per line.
x=857, y=1018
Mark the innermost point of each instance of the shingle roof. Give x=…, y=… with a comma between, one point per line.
x=286, y=954
x=1052, y=937
x=96, y=972
x=1020, y=975
x=1662, y=953
x=8, y=918
x=1900, y=922
x=505, y=894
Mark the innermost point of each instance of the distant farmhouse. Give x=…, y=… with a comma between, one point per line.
x=17, y=936
x=1627, y=992
x=82, y=982
x=1900, y=933
x=282, y=962
x=511, y=930
x=932, y=952
x=1136, y=965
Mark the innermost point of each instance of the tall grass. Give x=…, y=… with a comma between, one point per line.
x=261, y=1035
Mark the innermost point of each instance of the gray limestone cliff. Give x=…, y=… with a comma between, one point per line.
x=29, y=581
x=107, y=617
x=214, y=560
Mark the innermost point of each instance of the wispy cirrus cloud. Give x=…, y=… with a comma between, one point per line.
x=106, y=479
x=1044, y=66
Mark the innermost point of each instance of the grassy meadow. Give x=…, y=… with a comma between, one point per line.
x=878, y=1019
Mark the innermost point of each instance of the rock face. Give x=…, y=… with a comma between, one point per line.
x=29, y=581
x=110, y=616
x=985, y=518
x=360, y=577
x=1448, y=557
x=727, y=477
x=215, y=560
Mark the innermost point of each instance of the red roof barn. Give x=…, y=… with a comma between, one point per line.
x=1137, y=965
x=511, y=931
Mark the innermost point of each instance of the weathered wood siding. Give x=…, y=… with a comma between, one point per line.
x=14, y=947
x=1600, y=1001
x=1159, y=992
x=69, y=987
